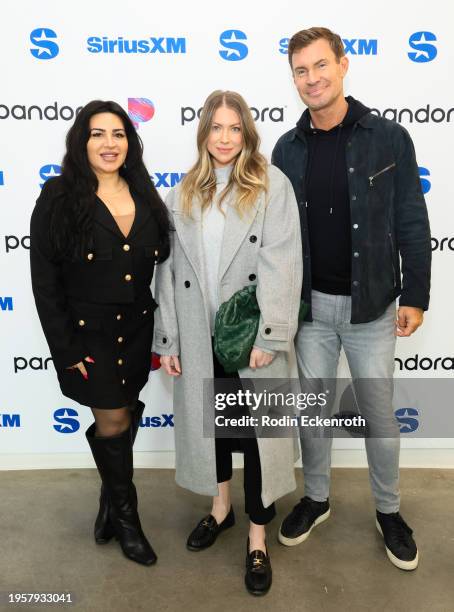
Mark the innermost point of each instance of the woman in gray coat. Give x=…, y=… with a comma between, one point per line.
x=236, y=224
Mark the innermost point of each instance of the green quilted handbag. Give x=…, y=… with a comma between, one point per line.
x=236, y=327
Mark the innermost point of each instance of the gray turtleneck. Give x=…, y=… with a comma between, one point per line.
x=213, y=222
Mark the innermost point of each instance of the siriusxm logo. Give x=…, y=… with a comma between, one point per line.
x=352, y=46
x=103, y=44
x=2, y=181
x=45, y=47
x=140, y=110
x=360, y=46
x=425, y=183
x=283, y=46
x=407, y=419
x=425, y=52
x=274, y=114
x=442, y=244
x=165, y=420
x=166, y=179
x=67, y=422
x=13, y=242
x=49, y=171
x=10, y=420
x=6, y=303
x=234, y=50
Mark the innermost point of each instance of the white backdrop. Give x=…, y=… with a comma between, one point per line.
x=53, y=60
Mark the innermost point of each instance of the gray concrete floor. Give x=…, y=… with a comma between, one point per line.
x=46, y=546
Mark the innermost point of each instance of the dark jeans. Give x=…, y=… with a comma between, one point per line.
x=252, y=470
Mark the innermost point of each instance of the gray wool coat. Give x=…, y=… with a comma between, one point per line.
x=266, y=243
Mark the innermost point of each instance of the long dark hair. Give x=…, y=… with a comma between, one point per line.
x=71, y=223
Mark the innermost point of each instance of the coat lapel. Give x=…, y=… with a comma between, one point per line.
x=143, y=212
x=189, y=232
x=235, y=230
x=103, y=216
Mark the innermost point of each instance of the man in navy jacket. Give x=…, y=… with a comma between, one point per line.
x=362, y=211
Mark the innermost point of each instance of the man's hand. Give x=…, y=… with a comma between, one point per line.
x=259, y=359
x=171, y=364
x=408, y=320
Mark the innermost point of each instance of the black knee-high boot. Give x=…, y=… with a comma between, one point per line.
x=104, y=530
x=113, y=457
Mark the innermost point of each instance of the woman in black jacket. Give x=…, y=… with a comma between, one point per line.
x=96, y=233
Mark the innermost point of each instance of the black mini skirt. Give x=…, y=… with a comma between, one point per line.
x=118, y=337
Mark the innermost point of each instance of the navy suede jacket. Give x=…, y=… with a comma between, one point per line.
x=389, y=218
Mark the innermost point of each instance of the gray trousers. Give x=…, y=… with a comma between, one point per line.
x=369, y=348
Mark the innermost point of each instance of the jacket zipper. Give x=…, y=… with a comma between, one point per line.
x=371, y=178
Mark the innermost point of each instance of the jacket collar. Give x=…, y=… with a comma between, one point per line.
x=368, y=121
x=104, y=217
x=365, y=119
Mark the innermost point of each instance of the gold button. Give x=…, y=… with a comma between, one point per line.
x=120, y=339
x=120, y=362
x=126, y=247
x=123, y=382
x=81, y=322
x=90, y=256
x=145, y=312
x=118, y=317
x=128, y=277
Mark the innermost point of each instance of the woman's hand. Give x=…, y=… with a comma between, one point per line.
x=81, y=367
x=259, y=358
x=171, y=364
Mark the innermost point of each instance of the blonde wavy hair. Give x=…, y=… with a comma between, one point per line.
x=249, y=175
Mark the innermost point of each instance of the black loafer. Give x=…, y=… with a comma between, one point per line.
x=259, y=574
x=206, y=532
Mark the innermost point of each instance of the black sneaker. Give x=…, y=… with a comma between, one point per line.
x=297, y=526
x=400, y=546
